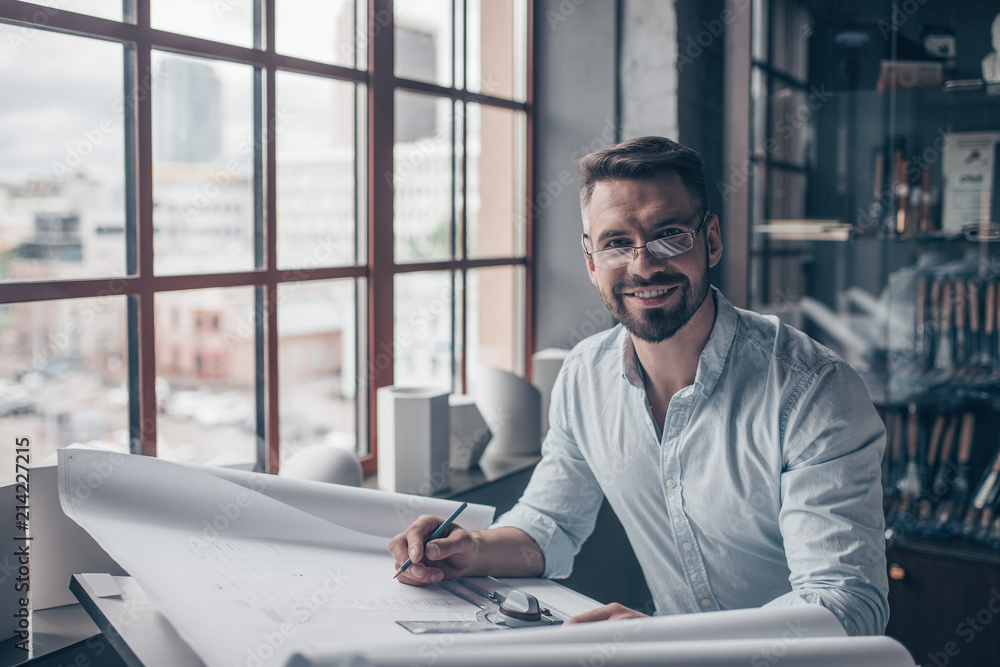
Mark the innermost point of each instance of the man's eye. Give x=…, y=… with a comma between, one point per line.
x=670, y=232
x=616, y=243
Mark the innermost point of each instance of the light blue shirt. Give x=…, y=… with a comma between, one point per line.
x=763, y=487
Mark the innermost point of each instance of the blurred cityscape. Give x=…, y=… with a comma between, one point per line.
x=64, y=363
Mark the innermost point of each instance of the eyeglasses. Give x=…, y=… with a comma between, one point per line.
x=661, y=248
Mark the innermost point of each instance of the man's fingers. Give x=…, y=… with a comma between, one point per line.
x=609, y=612
x=419, y=574
x=410, y=543
x=458, y=543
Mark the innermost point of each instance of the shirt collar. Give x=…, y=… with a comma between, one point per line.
x=713, y=357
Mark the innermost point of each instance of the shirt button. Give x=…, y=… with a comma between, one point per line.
x=671, y=483
x=706, y=603
x=649, y=422
x=687, y=546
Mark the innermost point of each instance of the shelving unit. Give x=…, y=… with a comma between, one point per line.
x=914, y=307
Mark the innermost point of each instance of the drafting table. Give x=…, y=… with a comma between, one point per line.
x=144, y=638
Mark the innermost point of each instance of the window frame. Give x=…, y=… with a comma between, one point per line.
x=375, y=270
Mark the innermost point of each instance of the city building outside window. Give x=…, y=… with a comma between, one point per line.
x=224, y=225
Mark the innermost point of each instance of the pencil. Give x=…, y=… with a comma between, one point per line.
x=436, y=534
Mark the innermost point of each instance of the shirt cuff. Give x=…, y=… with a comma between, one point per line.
x=551, y=540
x=855, y=621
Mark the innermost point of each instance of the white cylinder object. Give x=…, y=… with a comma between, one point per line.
x=545, y=365
x=413, y=439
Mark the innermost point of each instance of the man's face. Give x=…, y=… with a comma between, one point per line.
x=653, y=298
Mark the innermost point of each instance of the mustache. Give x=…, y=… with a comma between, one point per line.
x=661, y=278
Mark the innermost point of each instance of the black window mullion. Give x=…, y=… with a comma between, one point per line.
x=131, y=243
x=260, y=291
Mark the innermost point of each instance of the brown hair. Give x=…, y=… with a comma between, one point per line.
x=643, y=157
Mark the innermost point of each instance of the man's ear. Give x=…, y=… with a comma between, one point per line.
x=713, y=237
x=591, y=269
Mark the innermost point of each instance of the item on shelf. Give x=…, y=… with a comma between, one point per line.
x=805, y=230
x=968, y=175
x=900, y=189
x=975, y=340
x=909, y=484
x=939, y=42
x=910, y=74
x=961, y=356
x=963, y=85
x=946, y=469
x=925, y=502
x=952, y=508
x=892, y=459
x=414, y=439
x=983, y=499
x=991, y=63
x=925, y=197
x=944, y=360
x=921, y=333
x=987, y=360
x=983, y=231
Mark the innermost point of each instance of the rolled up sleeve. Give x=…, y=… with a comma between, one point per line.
x=559, y=507
x=831, y=516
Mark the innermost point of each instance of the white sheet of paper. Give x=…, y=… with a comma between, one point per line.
x=102, y=584
x=792, y=652
x=242, y=577
x=368, y=511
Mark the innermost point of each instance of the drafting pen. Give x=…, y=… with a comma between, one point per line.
x=436, y=534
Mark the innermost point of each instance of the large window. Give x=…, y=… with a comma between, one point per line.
x=224, y=225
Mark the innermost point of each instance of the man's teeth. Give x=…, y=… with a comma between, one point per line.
x=650, y=294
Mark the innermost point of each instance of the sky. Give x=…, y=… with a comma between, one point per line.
x=62, y=94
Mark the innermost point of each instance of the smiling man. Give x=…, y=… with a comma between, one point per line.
x=742, y=458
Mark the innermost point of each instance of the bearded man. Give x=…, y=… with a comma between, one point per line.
x=741, y=457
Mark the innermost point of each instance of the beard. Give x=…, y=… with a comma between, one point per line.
x=655, y=325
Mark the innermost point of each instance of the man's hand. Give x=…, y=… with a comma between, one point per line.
x=447, y=557
x=609, y=612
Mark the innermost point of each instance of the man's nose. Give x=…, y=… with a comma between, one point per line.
x=643, y=261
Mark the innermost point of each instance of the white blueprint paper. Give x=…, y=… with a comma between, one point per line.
x=365, y=510
x=795, y=652
x=244, y=578
x=254, y=572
